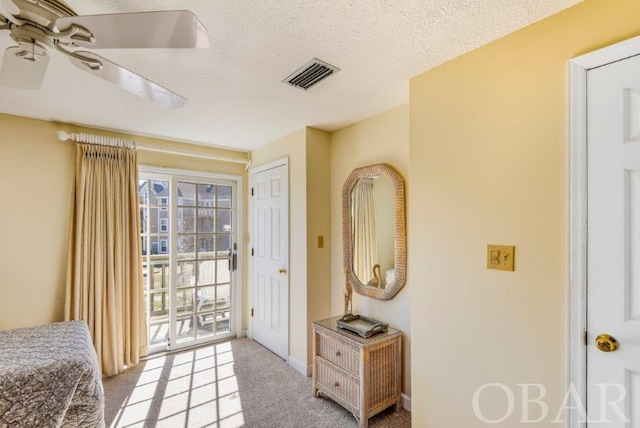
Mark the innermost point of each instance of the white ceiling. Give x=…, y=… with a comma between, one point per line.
x=236, y=98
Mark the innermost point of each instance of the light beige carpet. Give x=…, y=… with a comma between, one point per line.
x=230, y=384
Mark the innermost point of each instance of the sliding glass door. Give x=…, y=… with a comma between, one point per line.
x=189, y=258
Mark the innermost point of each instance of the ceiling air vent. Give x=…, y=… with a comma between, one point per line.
x=310, y=74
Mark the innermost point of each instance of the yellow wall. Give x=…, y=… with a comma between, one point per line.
x=36, y=177
x=318, y=224
x=309, y=217
x=488, y=151
x=383, y=138
x=36, y=183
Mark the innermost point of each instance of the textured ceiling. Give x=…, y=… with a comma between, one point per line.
x=236, y=98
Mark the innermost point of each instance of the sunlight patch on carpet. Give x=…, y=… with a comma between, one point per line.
x=195, y=388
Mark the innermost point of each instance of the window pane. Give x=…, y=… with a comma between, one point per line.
x=159, y=304
x=223, y=297
x=186, y=194
x=143, y=191
x=159, y=330
x=186, y=246
x=159, y=244
x=186, y=274
x=223, y=275
x=205, y=324
x=144, y=214
x=145, y=276
x=206, y=299
x=184, y=328
x=224, y=196
x=223, y=243
x=158, y=189
x=157, y=217
x=223, y=221
x=144, y=242
x=184, y=301
x=186, y=220
x=206, y=195
x=205, y=220
x=223, y=321
x=206, y=272
x=160, y=276
x=205, y=246
x=223, y=308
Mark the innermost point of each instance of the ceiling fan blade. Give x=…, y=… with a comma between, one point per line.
x=10, y=7
x=8, y=13
x=128, y=80
x=20, y=70
x=166, y=29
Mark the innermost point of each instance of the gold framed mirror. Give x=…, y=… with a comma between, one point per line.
x=374, y=232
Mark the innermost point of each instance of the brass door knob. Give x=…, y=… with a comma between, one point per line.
x=606, y=343
x=282, y=271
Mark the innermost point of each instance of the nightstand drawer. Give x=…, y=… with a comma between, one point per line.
x=338, y=353
x=331, y=380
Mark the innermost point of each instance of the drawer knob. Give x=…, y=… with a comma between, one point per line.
x=336, y=384
x=337, y=353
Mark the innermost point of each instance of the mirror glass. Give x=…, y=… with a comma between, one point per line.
x=372, y=230
x=374, y=234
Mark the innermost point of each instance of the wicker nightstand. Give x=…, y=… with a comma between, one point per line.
x=362, y=375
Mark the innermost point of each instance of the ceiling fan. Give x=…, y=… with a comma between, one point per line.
x=40, y=27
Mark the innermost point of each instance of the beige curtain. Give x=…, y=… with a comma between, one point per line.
x=365, y=246
x=104, y=276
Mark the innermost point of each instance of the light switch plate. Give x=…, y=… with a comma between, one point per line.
x=501, y=257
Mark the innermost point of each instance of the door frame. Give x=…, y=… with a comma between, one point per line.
x=577, y=206
x=238, y=309
x=283, y=161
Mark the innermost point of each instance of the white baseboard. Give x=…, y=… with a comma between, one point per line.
x=406, y=401
x=242, y=333
x=303, y=369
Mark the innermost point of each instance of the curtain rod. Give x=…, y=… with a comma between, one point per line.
x=121, y=142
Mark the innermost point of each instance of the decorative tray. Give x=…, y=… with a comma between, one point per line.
x=362, y=326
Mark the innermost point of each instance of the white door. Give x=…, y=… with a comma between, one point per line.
x=613, y=275
x=271, y=259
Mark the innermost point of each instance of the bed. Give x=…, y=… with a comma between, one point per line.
x=50, y=377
